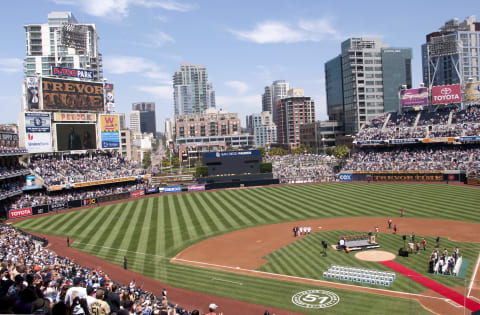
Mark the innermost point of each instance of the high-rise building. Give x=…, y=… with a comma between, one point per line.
x=273, y=93
x=451, y=54
x=62, y=41
x=192, y=93
x=363, y=81
x=263, y=128
x=135, y=121
x=294, y=110
x=148, y=122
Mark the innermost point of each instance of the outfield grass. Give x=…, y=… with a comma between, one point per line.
x=151, y=231
x=304, y=258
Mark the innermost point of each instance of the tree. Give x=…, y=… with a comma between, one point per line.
x=147, y=159
x=201, y=171
x=265, y=167
x=329, y=151
x=341, y=151
x=277, y=151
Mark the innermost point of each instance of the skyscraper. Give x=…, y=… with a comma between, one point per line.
x=451, y=54
x=294, y=110
x=263, y=128
x=62, y=42
x=363, y=81
x=146, y=111
x=273, y=93
x=192, y=93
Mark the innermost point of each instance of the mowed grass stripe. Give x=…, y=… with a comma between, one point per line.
x=192, y=221
x=203, y=212
x=256, y=205
x=184, y=234
x=167, y=230
x=253, y=214
x=238, y=209
x=152, y=237
x=283, y=202
x=227, y=209
x=206, y=202
x=110, y=224
x=264, y=199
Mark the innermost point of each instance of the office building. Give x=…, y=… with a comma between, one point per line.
x=272, y=94
x=451, y=54
x=294, y=110
x=64, y=42
x=363, y=81
x=263, y=128
x=210, y=123
x=192, y=93
x=148, y=122
x=135, y=121
x=319, y=135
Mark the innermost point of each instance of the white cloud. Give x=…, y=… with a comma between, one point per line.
x=11, y=65
x=239, y=86
x=130, y=64
x=163, y=92
x=116, y=8
x=281, y=32
x=158, y=39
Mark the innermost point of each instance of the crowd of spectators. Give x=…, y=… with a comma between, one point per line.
x=10, y=186
x=414, y=158
x=60, y=197
x=71, y=169
x=303, y=168
x=429, y=124
x=34, y=280
x=13, y=171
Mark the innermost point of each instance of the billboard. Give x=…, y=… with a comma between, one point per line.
x=137, y=193
x=414, y=97
x=472, y=92
x=32, y=93
x=109, y=131
x=169, y=189
x=17, y=213
x=37, y=132
x=196, y=187
x=61, y=94
x=446, y=94
x=73, y=73
x=76, y=137
x=345, y=177
x=74, y=117
x=109, y=97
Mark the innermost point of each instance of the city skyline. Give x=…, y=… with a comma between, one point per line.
x=244, y=49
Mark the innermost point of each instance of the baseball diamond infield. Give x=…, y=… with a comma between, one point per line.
x=226, y=235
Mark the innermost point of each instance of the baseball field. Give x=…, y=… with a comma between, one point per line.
x=157, y=234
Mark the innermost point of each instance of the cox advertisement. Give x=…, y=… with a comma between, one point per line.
x=414, y=97
x=109, y=131
x=20, y=213
x=169, y=189
x=446, y=94
x=345, y=177
x=72, y=95
x=472, y=92
x=37, y=132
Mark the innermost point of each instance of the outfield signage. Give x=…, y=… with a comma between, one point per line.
x=138, y=193
x=446, y=94
x=414, y=97
x=232, y=154
x=169, y=189
x=151, y=190
x=196, y=187
x=74, y=117
x=72, y=73
x=466, y=139
x=371, y=142
x=38, y=138
x=345, y=177
x=20, y=213
x=404, y=141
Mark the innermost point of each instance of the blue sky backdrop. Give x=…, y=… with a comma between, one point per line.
x=245, y=45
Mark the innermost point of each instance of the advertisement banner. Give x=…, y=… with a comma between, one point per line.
x=170, y=189
x=17, y=213
x=109, y=97
x=371, y=142
x=61, y=94
x=90, y=201
x=76, y=137
x=40, y=209
x=55, y=188
x=33, y=101
x=138, y=193
x=404, y=141
x=151, y=190
x=345, y=177
x=232, y=154
x=74, y=203
x=473, y=181
x=446, y=94
x=30, y=180
x=473, y=138
x=37, y=132
x=73, y=73
x=472, y=92
x=103, y=182
x=120, y=196
x=59, y=205
x=109, y=131
x=74, y=117
x=414, y=97
x=438, y=140
x=196, y=187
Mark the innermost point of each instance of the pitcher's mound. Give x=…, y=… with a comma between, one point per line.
x=375, y=255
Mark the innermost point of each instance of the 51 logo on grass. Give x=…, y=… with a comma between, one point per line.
x=315, y=299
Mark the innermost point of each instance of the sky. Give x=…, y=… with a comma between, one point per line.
x=245, y=45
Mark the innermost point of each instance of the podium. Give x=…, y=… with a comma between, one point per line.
x=372, y=239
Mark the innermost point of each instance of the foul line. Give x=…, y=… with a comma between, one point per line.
x=300, y=278
x=473, y=277
x=217, y=279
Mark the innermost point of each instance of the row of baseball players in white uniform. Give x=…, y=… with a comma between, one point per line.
x=304, y=230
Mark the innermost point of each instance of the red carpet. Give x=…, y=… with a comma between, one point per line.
x=432, y=285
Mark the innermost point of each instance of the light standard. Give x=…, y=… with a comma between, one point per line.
x=323, y=144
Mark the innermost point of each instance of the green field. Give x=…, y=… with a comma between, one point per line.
x=151, y=231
